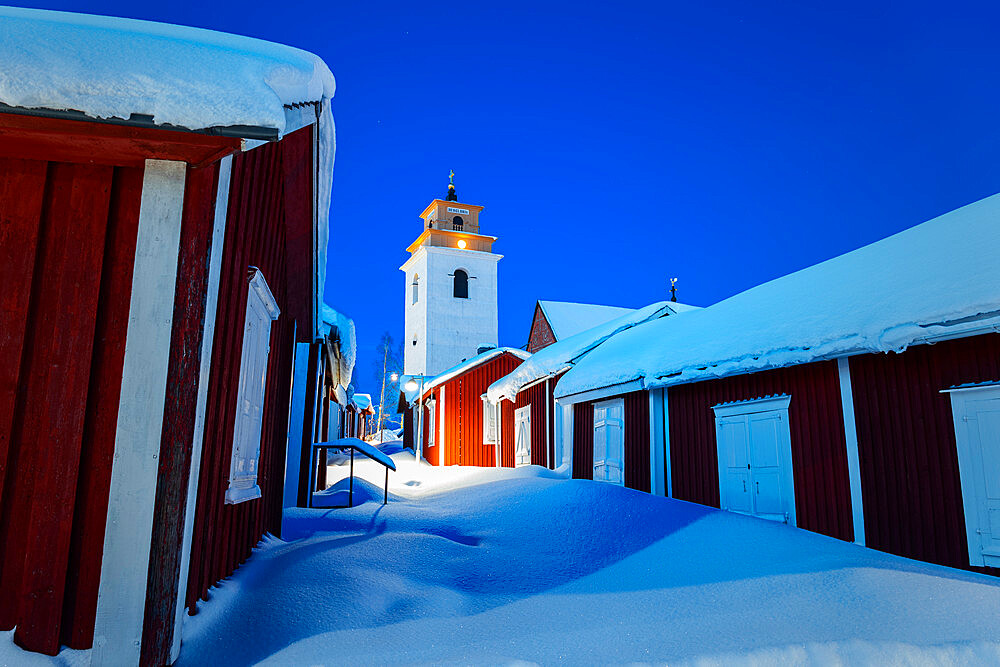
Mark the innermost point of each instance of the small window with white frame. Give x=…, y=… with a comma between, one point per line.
x=489, y=421
x=431, y=430
x=261, y=310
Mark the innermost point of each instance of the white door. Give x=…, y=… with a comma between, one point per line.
x=609, y=442
x=977, y=432
x=522, y=436
x=734, y=464
x=755, y=461
x=765, y=464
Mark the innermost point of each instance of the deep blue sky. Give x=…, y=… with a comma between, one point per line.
x=615, y=145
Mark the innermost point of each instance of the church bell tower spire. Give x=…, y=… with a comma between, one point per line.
x=451, y=187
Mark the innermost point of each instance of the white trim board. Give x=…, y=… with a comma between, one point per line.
x=121, y=598
x=603, y=392
x=853, y=454
x=765, y=404
x=207, y=342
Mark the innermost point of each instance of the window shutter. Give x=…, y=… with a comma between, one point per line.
x=261, y=310
x=489, y=421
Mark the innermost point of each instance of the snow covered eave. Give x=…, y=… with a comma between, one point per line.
x=468, y=364
x=896, y=340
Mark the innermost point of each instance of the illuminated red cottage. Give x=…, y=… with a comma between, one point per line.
x=163, y=211
x=858, y=398
x=457, y=425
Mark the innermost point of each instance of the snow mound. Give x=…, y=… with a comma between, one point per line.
x=542, y=570
x=338, y=494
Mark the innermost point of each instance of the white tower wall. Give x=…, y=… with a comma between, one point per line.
x=448, y=329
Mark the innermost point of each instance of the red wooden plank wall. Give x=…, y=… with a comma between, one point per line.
x=463, y=412
x=506, y=434
x=66, y=244
x=257, y=226
x=906, y=444
x=536, y=397
x=179, y=415
x=636, y=419
x=819, y=454
x=637, y=440
x=583, y=441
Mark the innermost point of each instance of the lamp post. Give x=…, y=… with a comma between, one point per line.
x=411, y=384
x=393, y=377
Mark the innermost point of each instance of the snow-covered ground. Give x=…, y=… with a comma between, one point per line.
x=502, y=566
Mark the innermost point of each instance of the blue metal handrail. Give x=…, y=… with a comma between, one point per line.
x=316, y=446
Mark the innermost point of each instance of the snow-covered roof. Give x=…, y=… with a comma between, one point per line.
x=928, y=282
x=568, y=319
x=340, y=327
x=562, y=354
x=115, y=68
x=363, y=401
x=472, y=362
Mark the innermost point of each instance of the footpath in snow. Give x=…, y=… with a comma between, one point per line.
x=499, y=566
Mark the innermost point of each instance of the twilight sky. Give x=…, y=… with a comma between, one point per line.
x=615, y=145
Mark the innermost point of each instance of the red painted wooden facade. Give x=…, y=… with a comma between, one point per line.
x=70, y=194
x=463, y=416
x=906, y=444
x=68, y=238
x=816, y=423
x=537, y=396
x=258, y=226
x=636, y=436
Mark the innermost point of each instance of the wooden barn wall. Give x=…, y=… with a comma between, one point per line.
x=463, y=412
x=67, y=242
x=506, y=434
x=536, y=396
x=637, y=440
x=583, y=441
x=819, y=454
x=636, y=417
x=906, y=444
x=179, y=415
x=257, y=226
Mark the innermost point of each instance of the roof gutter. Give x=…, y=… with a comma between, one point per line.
x=145, y=121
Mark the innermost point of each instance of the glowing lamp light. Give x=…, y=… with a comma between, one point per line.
x=461, y=244
x=411, y=385
x=393, y=377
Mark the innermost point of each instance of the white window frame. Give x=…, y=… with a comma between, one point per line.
x=415, y=297
x=777, y=404
x=490, y=431
x=244, y=463
x=971, y=472
x=431, y=422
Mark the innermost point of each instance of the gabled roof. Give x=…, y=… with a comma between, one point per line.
x=471, y=363
x=568, y=319
x=935, y=280
x=560, y=356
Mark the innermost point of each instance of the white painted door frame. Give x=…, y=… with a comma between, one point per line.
x=522, y=436
x=609, y=440
x=757, y=412
x=976, y=414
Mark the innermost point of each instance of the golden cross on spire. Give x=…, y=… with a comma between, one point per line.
x=451, y=177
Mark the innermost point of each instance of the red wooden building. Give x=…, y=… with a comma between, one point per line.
x=531, y=388
x=869, y=413
x=160, y=256
x=460, y=425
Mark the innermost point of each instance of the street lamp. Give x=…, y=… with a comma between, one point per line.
x=412, y=385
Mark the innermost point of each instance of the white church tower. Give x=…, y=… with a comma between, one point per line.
x=451, y=288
